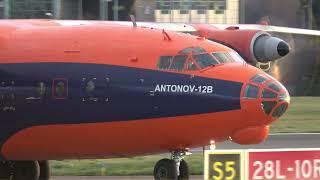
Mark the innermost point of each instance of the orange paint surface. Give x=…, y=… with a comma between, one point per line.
x=27, y=41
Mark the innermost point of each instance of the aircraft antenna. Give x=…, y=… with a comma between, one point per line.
x=166, y=35
x=133, y=20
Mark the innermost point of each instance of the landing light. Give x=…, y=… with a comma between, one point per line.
x=212, y=145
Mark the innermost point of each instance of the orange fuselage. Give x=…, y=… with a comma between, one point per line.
x=89, y=90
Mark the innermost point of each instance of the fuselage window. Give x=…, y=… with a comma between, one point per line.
x=178, y=62
x=60, y=88
x=6, y=91
x=204, y=60
x=164, y=62
x=7, y=98
x=90, y=86
x=40, y=89
x=91, y=89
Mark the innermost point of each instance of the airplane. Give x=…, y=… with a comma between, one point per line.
x=90, y=89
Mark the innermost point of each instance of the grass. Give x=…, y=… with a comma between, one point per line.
x=302, y=116
x=119, y=167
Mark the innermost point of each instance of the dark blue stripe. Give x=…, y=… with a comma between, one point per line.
x=127, y=91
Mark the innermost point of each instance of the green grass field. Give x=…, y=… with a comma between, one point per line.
x=120, y=166
x=303, y=116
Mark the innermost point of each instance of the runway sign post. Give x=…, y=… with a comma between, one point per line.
x=283, y=164
x=226, y=165
x=262, y=164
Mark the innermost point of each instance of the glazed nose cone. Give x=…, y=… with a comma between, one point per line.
x=275, y=98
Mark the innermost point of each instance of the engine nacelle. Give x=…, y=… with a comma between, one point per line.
x=254, y=46
x=265, y=48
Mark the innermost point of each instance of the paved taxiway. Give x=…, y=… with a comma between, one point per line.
x=275, y=141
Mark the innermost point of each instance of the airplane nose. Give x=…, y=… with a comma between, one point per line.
x=276, y=107
x=264, y=100
x=273, y=96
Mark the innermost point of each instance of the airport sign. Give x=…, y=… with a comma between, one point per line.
x=262, y=164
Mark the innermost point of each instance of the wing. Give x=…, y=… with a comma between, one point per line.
x=271, y=29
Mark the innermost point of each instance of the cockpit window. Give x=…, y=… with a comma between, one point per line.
x=192, y=66
x=186, y=50
x=164, y=62
x=198, y=50
x=228, y=57
x=191, y=59
x=221, y=57
x=236, y=57
x=178, y=62
x=204, y=60
x=193, y=50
